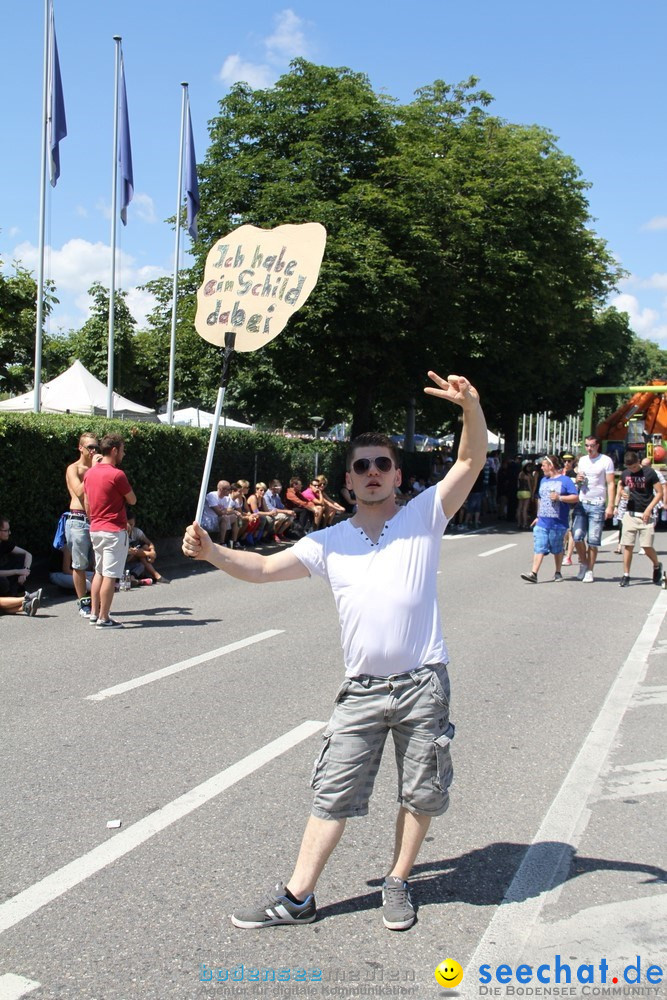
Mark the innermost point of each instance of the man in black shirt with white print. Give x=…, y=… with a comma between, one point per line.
x=643, y=490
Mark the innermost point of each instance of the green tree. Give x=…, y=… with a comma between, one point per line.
x=645, y=361
x=523, y=279
x=18, y=319
x=456, y=240
x=308, y=150
x=90, y=343
x=197, y=363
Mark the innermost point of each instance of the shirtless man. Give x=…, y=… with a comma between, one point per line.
x=77, y=529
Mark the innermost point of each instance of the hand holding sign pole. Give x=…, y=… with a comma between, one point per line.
x=254, y=279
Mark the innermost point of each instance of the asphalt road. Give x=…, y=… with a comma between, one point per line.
x=558, y=807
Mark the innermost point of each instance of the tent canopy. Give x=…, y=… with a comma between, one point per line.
x=78, y=391
x=192, y=417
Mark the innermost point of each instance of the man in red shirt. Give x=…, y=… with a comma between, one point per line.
x=107, y=491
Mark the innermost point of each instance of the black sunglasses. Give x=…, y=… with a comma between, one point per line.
x=92, y=447
x=382, y=463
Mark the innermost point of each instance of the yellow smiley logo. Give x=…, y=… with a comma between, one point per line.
x=449, y=973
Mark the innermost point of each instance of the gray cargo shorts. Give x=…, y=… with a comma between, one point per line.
x=414, y=706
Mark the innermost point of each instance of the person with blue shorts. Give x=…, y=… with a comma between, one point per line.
x=595, y=478
x=555, y=494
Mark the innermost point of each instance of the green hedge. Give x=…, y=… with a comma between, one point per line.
x=164, y=465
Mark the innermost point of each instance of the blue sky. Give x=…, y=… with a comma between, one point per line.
x=592, y=72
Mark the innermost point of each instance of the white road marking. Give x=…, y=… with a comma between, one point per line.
x=650, y=695
x=492, y=552
x=546, y=861
x=608, y=539
x=176, y=668
x=59, y=882
x=628, y=780
x=13, y=987
x=464, y=534
x=620, y=931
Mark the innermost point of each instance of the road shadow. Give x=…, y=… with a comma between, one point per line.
x=482, y=877
x=166, y=616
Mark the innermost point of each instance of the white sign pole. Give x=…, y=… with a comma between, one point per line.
x=229, y=350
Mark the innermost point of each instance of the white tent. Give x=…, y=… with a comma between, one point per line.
x=192, y=417
x=78, y=391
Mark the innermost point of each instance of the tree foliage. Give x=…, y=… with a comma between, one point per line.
x=18, y=319
x=90, y=343
x=455, y=240
x=644, y=361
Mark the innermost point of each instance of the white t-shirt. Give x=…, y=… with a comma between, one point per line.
x=209, y=518
x=385, y=593
x=595, y=470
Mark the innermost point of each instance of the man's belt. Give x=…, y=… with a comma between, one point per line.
x=77, y=513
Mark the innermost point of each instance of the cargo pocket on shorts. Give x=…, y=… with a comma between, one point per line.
x=444, y=771
x=342, y=690
x=320, y=762
x=440, y=686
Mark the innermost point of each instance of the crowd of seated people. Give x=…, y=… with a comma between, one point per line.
x=238, y=517
x=232, y=514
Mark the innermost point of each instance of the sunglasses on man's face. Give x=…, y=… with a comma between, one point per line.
x=382, y=463
x=91, y=447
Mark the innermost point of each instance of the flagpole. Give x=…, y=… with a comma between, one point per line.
x=42, y=216
x=114, y=197
x=172, y=342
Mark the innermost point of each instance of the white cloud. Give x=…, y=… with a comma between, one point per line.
x=142, y=205
x=287, y=41
x=657, y=280
x=13, y=231
x=647, y=323
x=77, y=265
x=81, y=211
x=140, y=304
x=104, y=208
x=145, y=207
x=657, y=222
x=234, y=69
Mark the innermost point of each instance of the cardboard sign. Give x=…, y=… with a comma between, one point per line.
x=255, y=279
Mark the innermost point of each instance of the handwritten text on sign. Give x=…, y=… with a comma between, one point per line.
x=255, y=279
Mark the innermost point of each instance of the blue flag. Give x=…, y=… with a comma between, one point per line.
x=124, y=148
x=191, y=185
x=56, y=123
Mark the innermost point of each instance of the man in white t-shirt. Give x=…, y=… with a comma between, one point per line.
x=220, y=513
x=597, y=492
x=381, y=565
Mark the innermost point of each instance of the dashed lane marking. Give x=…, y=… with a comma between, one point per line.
x=492, y=552
x=14, y=987
x=27, y=902
x=175, y=668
